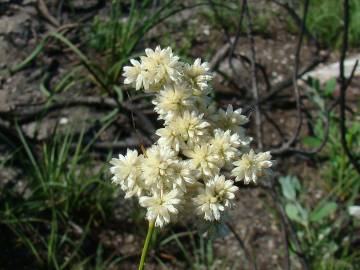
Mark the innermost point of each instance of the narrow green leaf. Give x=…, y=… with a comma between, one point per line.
x=330, y=87
x=119, y=93
x=323, y=212
x=28, y=59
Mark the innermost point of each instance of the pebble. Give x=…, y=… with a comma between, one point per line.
x=64, y=121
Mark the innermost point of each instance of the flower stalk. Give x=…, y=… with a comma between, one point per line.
x=146, y=244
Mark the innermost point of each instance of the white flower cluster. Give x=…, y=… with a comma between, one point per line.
x=183, y=171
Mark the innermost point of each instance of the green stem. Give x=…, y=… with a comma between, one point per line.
x=146, y=245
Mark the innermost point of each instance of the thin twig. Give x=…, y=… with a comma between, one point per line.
x=288, y=82
x=293, y=14
x=123, y=144
x=254, y=83
x=31, y=113
x=236, y=39
x=296, y=134
x=344, y=83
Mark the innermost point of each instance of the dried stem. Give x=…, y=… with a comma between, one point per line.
x=255, y=89
x=344, y=83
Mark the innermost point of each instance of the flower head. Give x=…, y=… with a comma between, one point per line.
x=251, y=166
x=171, y=136
x=134, y=74
x=198, y=74
x=161, y=65
x=127, y=173
x=215, y=197
x=226, y=145
x=192, y=126
x=173, y=101
x=184, y=175
x=230, y=119
x=160, y=206
x=157, y=166
x=204, y=158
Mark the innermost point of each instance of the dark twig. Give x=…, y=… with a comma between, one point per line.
x=255, y=88
x=236, y=39
x=126, y=143
x=288, y=82
x=293, y=14
x=326, y=126
x=286, y=149
x=274, y=124
x=224, y=53
x=238, y=29
x=295, y=136
x=260, y=67
x=344, y=83
x=231, y=41
x=32, y=113
x=228, y=50
x=219, y=20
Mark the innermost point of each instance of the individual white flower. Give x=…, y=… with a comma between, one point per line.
x=127, y=172
x=173, y=101
x=157, y=166
x=215, y=197
x=171, y=136
x=226, y=144
x=161, y=206
x=184, y=175
x=192, y=126
x=198, y=74
x=251, y=166
x=134, y=74
x=162, y=65
x=204, y=158
x=230, y=119
x=223, y=189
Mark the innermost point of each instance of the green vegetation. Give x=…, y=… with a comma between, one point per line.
x=322, y=223
x=228, y=17
x=191, y=251
x=325, y=21
x=340, y=177
x=62, y=202
x=324, y=230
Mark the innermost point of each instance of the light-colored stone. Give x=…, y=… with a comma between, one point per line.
x=327, y=72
